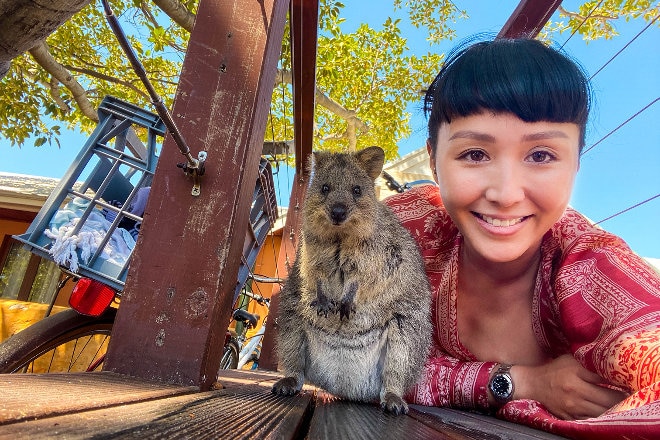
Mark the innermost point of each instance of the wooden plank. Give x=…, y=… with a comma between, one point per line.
x=528, y=18
x=30, y=396
x=177, y=302
x=107, y=405
x=249, y=412
x=239, y=378
x=475, y=425
x=340, y=420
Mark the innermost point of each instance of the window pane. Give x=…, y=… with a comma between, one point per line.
x=13, y=271
x=45, y=283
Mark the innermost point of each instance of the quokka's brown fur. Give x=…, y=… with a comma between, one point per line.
x=354, y=311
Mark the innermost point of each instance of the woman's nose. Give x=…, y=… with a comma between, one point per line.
x=506, y=186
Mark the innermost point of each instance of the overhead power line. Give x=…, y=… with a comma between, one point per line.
x=628, y=209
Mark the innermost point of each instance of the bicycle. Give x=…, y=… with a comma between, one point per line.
x=395, y=186
x=240, y=349
x=119, y=180
x=76, y=339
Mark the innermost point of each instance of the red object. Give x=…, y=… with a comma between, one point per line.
x=91, y=297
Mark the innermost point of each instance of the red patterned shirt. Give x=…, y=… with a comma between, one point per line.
x=594, y=298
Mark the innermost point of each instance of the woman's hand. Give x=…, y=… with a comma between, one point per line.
x=565, y=388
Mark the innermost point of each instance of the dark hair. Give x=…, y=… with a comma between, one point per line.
x=519, y=76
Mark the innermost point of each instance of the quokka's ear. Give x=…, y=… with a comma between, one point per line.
x=315, y=159
x=372, y=160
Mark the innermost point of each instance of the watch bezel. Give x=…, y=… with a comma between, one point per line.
x=501, y=385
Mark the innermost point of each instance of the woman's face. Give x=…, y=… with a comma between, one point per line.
x=504, y=181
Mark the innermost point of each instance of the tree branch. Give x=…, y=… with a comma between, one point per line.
x=54, y=89
x=580, y=17
x=178, y=13
x=147, y=13
x=42, y=55
x=284, y=76
x=109, y=78
x=351, y=133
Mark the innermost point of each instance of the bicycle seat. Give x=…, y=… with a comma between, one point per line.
x=246, y=317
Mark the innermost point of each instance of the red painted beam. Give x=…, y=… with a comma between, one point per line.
x=304, y=16
x=286, y=256
x=528, y=18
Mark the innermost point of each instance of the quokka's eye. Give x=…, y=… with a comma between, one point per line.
x=357, y=191
x=325, y=189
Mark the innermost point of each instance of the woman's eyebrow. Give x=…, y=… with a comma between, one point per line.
x=545, y=135
x=485, y=137
x=475, y=135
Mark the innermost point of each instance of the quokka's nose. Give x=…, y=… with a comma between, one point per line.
x=338, y=213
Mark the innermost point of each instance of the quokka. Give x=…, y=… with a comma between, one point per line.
x=354, y=311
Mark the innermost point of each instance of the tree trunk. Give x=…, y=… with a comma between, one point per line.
x=23, y=24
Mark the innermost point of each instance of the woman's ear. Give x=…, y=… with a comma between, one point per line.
x=429, y=150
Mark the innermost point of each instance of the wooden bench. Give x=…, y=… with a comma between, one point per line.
x=109, y=405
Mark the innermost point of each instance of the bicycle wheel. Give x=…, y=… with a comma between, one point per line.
x=229, y=356
x=66, y=341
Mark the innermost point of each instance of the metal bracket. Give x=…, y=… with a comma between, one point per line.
x=195, y=168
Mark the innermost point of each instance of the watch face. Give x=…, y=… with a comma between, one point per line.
x=501, y=386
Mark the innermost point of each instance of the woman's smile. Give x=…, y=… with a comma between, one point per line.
x=500, y=225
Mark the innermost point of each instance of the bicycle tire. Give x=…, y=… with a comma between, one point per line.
x=229, y=359
x=28, y=345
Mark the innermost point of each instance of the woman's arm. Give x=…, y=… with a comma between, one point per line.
x=609, y=304
x=447, y=381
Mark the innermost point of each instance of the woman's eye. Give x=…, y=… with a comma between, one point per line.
x=541, y=157
x=474, y=156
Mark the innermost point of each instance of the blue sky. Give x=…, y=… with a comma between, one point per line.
x=621, y=171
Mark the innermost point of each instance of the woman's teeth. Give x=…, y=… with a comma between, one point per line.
x=501, y=222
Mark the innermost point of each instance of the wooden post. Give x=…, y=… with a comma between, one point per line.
x=304, y=34
x=528, y=18
x=176, y=306
x=285, y=259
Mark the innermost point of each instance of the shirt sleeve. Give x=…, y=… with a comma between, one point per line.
x=447, y=381
x=609, y=303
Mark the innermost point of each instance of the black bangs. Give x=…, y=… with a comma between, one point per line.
x=523, y=77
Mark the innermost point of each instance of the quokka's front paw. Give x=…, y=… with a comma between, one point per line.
x=394, y=404
x=323, y=306
x=287, y=386
x=346, y=307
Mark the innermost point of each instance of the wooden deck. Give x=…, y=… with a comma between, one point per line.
x=108, y=405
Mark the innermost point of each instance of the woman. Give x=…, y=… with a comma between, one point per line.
x=538, y=315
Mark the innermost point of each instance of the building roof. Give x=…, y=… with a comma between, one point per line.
x=23, y=192
x=413, y=167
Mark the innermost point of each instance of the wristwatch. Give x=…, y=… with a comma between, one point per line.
x=501, y=385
